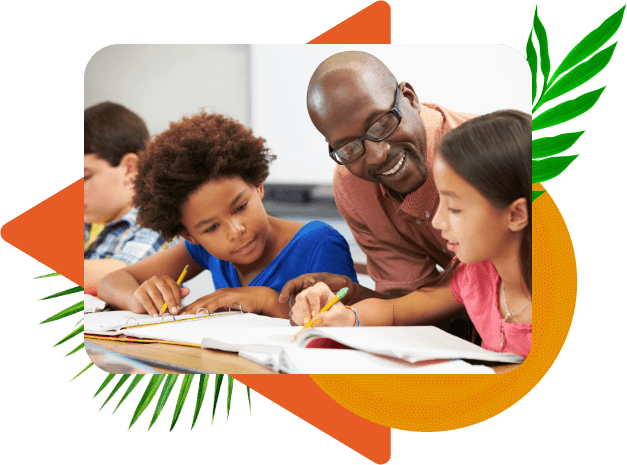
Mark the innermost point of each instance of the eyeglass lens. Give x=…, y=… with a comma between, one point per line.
x=379, y=130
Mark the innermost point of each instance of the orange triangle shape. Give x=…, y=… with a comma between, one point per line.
x=372, y=25
x=303, y=397
x=51, y=232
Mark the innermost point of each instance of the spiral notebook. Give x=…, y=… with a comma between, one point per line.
x=112, y=323
x=184, y=329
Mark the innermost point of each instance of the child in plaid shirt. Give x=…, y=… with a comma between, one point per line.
x=113, y=239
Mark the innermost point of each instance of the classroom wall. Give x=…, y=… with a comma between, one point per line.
x=162, y=83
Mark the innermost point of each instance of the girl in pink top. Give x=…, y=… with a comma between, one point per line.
x=483, y=176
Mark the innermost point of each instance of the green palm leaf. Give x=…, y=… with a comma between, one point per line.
x=567, y=110
x=71, y=335
x=48, y=275
x=149, y=393
x=547, y=146
x=77, y=307
x=579, y=75
x=536, y=194
x=545, y=62
x=203, y=381
x=134, y=383
x=532, y=59
x=591, y=43
x=548, y=168
x=165, y=393
x=216, y=394
x=229, y=392
x=115, y=389
x=104, y=384
x=83, y=371
x=76, y=349
x=66, y=292
x=187, y=382
x=79, y=321
x=250, y=407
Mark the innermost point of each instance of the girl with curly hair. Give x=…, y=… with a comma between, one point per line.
x=202, y=179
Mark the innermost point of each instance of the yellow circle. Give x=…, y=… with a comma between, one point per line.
x=445, y=402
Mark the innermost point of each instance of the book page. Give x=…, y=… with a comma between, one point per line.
x=193, y=332
x=410, y=343
x=347, y=361
x=262, y=340
x=112, y=321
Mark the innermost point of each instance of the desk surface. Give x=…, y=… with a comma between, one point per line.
x=144, y=357
x=133, y=357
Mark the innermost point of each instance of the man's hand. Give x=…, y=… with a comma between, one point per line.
x=335, y=282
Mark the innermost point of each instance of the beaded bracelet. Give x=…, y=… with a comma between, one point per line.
x=357, y=322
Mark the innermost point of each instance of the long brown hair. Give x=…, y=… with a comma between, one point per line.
x=493, y=153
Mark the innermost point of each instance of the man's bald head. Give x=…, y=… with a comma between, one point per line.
x=340, y=75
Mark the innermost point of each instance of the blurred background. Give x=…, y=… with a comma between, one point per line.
x=264, y=87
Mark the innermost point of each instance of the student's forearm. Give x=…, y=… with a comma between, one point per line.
x=95, y=270
x=375, y=312
x=117, y=289
x=363, y=293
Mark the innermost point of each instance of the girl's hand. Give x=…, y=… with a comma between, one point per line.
x=309, y=302
x=153, y=293
x=254, y=299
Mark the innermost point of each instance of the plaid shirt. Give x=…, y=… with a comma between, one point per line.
x=399, y=239
x=125, y=240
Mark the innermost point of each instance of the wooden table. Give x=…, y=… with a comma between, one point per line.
x=151, y=357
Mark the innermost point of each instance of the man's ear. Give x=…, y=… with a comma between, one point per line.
x=260, y=190
x=408, y=91
x=518, y=217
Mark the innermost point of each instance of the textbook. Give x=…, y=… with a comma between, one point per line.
x=408, y=343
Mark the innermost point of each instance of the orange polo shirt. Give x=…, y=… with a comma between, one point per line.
x=399, y=240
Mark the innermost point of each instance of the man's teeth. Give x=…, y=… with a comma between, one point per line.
x=396, y=167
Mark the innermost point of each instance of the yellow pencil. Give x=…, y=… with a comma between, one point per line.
x=341, y=293
x=178, y=283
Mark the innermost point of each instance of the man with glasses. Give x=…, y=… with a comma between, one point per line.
x=383, y=140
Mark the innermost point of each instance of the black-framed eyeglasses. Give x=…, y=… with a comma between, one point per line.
x=378, y=131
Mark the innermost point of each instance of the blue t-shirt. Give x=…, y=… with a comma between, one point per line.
x=315, y=248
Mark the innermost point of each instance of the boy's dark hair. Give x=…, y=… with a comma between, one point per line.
x=493, y=153
x=112, y=131
x=189, y=154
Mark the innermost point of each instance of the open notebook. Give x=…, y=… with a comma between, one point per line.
x=378, y=350
x=112, y=323
x=268, y=341
x=185, y=329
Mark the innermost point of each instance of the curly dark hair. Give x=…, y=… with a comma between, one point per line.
x=192, y=152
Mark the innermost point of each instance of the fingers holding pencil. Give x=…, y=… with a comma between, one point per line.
x=319, y=306
x=157, y=294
